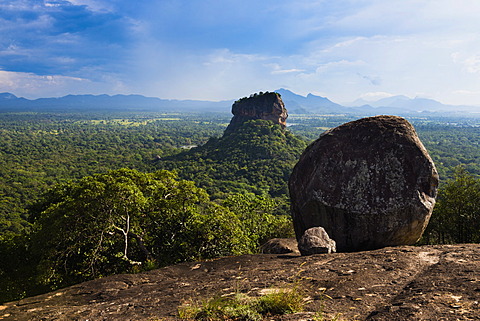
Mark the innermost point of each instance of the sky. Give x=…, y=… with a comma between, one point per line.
x=226, y=49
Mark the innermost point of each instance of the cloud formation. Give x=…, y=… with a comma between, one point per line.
x=60, y=38
x=225, y=49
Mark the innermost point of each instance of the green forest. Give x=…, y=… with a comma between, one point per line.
x=82, y=194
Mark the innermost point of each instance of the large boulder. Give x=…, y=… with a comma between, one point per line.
x=266, y=106
x=369, y=183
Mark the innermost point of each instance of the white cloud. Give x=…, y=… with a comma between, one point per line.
x=472, y=64
x=467, y=92
x=276, y=69
x=94, y=5
x=343, y=49
x=286, y=71
x=374, y=96
x=29, y=85
x=216, y=75
x=343, y=70
x=34, y=23
x=469, y=63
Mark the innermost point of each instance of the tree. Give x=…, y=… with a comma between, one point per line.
x=456, y=216
x=115, y=222
x=128, y=221
x=257, y=219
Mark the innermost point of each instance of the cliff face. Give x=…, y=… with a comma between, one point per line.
x=266, y=106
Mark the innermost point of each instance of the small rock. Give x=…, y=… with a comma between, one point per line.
x=280, y=246
x=315, y=240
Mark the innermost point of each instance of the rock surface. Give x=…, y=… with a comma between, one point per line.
x=400, y=283
x=316, y=241
x=266, y=106
x=370, y=183
x=280, y=246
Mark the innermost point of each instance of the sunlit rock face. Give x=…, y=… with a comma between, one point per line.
x=369, y=183
x=266, y=106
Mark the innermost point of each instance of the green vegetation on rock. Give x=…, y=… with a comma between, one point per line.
x=243, y=307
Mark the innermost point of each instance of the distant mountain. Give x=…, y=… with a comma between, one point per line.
x=295, y=104
x=310, y=104
x=7, y=96
x=404, y=105
x=9, y=102
x=415, y=104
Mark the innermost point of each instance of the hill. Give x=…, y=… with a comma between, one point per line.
x=255, y=154
x=399, y=283
x=258, y=157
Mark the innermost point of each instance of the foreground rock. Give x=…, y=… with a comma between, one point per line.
x=370, y=183
x=266, y=106
x=401, y=283
x=316, y=241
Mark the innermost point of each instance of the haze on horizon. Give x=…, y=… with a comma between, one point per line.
x=225, y=49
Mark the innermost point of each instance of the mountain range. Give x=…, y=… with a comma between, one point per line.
x=296, y=104
x=10, y=102
x=395, y=105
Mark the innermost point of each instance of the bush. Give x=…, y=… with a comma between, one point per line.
x=456, y=216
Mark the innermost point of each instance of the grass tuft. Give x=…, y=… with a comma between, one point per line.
x=241, y=307
x=284, y=301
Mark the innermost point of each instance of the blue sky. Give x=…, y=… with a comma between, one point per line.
x=225, y=49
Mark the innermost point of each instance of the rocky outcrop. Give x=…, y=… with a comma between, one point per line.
x=266, y=106
x=316, y=241
x=394, y=284
x=370, y=183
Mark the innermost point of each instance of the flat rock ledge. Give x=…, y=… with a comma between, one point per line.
x=395, y=283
